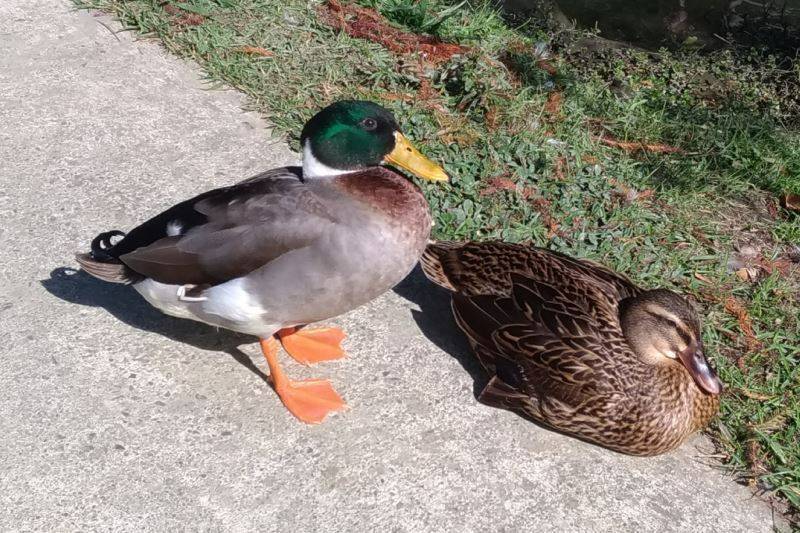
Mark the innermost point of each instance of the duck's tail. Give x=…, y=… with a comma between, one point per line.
x=103, y=264
x=433, y=260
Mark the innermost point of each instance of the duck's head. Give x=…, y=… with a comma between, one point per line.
x=661, y=326
x=353, y=135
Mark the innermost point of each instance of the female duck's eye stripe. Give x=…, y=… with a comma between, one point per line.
x=686, y=337
x=679, y=327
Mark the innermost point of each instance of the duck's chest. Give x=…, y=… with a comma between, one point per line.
x=382, y=226
x=671, y=407
x=386, y=212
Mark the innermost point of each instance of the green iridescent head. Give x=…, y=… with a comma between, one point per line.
x=353, y=135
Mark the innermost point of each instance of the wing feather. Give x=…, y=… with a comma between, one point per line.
x=229, y=232
x=546, y=342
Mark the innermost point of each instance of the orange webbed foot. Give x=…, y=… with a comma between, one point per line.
x=310, y=400
x=309, y=346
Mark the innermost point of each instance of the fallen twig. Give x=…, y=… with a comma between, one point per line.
x=632, y=146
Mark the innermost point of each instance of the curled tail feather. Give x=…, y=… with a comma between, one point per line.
x=103, y=264
x=102, y=245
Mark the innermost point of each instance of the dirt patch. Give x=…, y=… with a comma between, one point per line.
x=183, y=18
x=504, y=182
x=364, y=23
x=755, y=253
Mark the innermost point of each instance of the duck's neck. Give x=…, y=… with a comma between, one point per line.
x=390, y=196
x=313, y=168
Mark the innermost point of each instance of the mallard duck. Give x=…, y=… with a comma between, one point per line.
x=288, y=247
x=579, y=347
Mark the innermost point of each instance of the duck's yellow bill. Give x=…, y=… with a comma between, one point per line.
x=408, y=158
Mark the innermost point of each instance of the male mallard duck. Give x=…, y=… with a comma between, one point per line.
x=579, y=347
x=288, y=247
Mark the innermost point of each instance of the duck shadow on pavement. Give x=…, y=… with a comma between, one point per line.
x=435, y=321
x=125, y=304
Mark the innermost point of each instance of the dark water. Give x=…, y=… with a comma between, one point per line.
x=681, y=23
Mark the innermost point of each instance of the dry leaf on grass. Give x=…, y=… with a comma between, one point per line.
x=560, y=168
x=544, y=208
x=552, y=108
x=704, y=279
x=497, y=184
x=781, y=265
x=254, y=51
x=398, y=97
x=771, y=424
x=547, y=67
x=749, y=264
x=503, y=182
x=755, y=461
x=755, y=395
x=737, y=309
x=747, y=274
x=628, y=194
x=791, y=201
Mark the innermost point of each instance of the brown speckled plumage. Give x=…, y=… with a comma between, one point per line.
x=546, y=327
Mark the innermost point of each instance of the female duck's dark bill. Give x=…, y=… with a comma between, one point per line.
x=695, y=362
x=409, y=158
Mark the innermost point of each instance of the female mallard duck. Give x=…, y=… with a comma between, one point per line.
x=579, y=347
x=288, y=247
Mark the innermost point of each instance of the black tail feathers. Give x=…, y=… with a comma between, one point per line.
x=102, y=246
x=113, y=271
x=102, y=261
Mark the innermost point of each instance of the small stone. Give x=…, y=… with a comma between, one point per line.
x=747, y=274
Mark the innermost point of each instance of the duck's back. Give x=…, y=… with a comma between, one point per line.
x=473, y=268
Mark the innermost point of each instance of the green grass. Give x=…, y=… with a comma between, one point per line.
x=486, y=117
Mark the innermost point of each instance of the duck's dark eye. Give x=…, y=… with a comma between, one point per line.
x=369, y=124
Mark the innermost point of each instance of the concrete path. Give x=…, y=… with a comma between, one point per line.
x=115, y=418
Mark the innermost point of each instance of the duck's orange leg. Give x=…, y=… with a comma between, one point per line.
x=308, y=346
x=309, y=400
